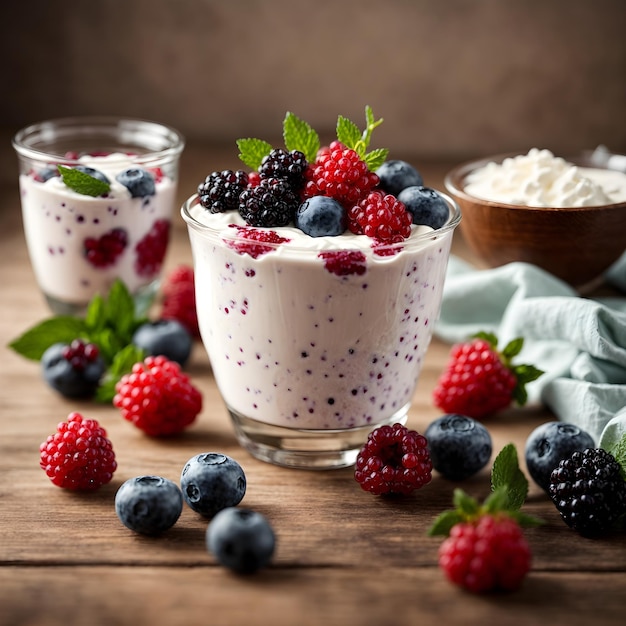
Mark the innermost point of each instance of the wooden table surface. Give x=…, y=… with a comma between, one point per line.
x=343, y=556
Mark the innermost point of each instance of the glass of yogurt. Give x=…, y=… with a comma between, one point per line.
x=314, y=341
x=97, y=196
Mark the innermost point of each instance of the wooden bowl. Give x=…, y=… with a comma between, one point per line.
x=575, y=244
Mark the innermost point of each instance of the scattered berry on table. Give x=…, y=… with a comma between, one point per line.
x=148, y=505
x=550, y=443
x=165, y=337
x=241, y=540
x=152, y=248
x=394, y=460
x=488, y=554
x=157, y=397
x=94, y=173
x=479, y=380
x=396, y=175
x=321, y=216
x=78, y=456
x=139, y=182
x=179, y=298
x=288, y=166
x=425, y=205
x=459, y=446
x=589, y=492
x=271, y=203
x=211, y=482
x=220, y=191
x=104, y=251
x=381, y=217
x=74, y=370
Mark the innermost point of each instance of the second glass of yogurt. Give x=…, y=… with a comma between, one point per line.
x=314, y=341
x=82, y=237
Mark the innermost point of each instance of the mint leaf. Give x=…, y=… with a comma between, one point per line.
x=252, y=151
x=376, y=158
x=298, y=135
x=497, y=500
x=349, y=135
x=122, y=364
x=506, y=473
x=96, y=316
x=120, y=311
x=444, y=522
x=513, y=348
x=370, y=125
x=35, y=341
x=525, y=520
x=618, y=450
x=490, y=338
x=83, y=183
x=465, y=504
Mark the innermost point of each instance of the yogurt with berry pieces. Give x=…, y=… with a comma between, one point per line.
x=80, y=244
x=310, y=324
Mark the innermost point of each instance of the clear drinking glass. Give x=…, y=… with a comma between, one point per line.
x=312, y=349
x=80, y=244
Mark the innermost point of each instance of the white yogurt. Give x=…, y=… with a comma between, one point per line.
x=540, y=179
x=293, y=344
x=58, y=221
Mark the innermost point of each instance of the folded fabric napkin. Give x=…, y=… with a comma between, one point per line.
x=580, y=343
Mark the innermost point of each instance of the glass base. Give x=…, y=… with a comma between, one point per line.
x=305, y=448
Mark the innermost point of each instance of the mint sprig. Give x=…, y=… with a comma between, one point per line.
x=253, y=151
x=618, y=450
x=348, y=133
x=82, y=182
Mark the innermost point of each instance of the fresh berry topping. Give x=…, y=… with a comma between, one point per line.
x=589, y=491
x=344, y=262
x=211, y=482
x=394, y=460
x=73, y=370
x=105, y=250
x=139, y=182
x=396, y=175
x=550, y=443
x=254, y=178
x=479, y=380
x=425, y=205
x=148, y=505
x=486, y=555
x=78, y=456
x=164, y=337
x=179, y=299
x=271, y=203
x=459, y=446
x=152, y=248
x=341, y=174
x=381, y=217
x=44, y=174
x=241, y=540
x=247, y=238
x=94, y=173
x=321, y=216
x=220, y=190
x=287, y=166
x=157, y=397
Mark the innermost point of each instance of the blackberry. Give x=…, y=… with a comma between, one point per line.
x=220, y=190
x=287, y=166
x=271, y=203
x=589, y=491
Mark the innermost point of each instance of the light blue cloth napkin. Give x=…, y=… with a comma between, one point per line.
x=579, y=343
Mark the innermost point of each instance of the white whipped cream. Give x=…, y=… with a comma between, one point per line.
x=541, y=179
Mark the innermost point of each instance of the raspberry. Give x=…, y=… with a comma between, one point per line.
x=157, y=397
x=268, y=238
x=344, y=262
x=339, y=172
x=479, y=380
x=104, y=251
x=394, y=460
x=151, y=249
x=287, y=166
x=78, y=456
x=220, y=190
x=271, y=203
x=488, y=554
x=589, y=491
x=381, y=217
x=179, y=299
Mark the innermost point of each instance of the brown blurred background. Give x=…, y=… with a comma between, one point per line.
x=453, y=79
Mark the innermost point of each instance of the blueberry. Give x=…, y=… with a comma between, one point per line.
x=148, y=504
x=139, y=182
x=241, y=539
x=94, y=173
x=320, y=216
x=164, y=337
x=398, y=175
x=211, y=482
x=46, y=173
x=459, y=446
x=550, y=443
x=71, y=377
x=426, y=205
